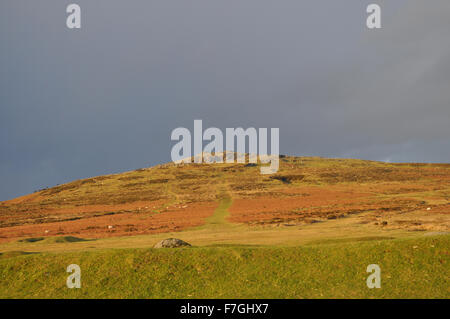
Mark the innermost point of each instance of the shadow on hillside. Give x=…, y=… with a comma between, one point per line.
x=349, y=240
x=12, y=254
x=233, y=245
x=54, y=240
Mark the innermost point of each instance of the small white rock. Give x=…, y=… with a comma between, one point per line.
x=110, y=227
x=429, y=208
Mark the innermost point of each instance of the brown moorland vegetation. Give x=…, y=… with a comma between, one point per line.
x=170, y=197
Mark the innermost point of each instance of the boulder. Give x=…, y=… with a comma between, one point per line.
x=171, y=243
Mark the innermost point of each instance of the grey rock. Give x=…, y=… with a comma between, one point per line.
x=171, y=243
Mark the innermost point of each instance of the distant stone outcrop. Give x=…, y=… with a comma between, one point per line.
x=171, y=243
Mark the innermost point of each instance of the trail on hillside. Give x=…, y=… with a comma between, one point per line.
x=218, y=221
x=219, y=217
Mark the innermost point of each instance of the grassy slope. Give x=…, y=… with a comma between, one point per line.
x=410, y=268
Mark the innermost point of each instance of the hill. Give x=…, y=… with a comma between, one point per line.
x=308, y=231
x=172, y=198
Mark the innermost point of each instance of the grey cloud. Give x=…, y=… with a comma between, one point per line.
x=104, y=99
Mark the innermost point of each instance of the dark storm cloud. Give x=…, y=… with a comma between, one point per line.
x=105, y=98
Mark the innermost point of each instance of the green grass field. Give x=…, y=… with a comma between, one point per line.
x=410, y=268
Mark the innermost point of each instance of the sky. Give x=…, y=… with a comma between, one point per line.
x=105, y=98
